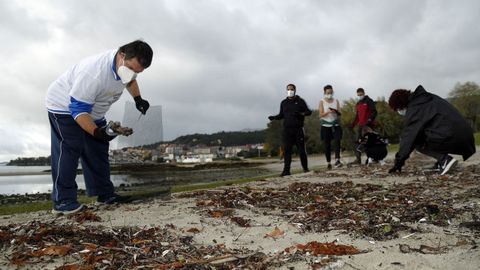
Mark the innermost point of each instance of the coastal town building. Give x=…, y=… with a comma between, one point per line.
x=177, y=153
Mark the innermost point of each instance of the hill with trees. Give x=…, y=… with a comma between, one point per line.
x=30, y=161
x=223, y=138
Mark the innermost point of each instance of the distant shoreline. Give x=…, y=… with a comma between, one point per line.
x=152, y=167
x=24, y=173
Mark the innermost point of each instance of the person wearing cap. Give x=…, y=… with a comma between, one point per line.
x=293, y=110
x=77, y=102
x=433, y=127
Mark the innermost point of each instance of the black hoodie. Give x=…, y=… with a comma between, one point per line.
x=293, y=111
x=432, y=121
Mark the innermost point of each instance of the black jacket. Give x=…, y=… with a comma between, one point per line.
x=433, y=122
x=375, y=146
x=293, y=112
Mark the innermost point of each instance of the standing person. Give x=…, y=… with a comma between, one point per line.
x=365, y=115
x=433, y=127
x=329, y=111
x=77, y=103
x=293, y=110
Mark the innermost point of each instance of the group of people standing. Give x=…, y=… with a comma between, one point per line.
x=432, y=126
x=293, y=110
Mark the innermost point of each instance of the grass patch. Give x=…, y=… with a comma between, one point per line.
x=192, y=187
x=143, y=193
x=34, y=206
x=25, y=207
x=393, y=148
x=477, y=138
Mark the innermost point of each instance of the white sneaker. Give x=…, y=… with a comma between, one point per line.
x=338, y=164
x=448, y=164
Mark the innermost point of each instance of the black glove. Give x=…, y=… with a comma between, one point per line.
x=102, y=134
x=271, y=118
x=369, y=122
x=395, y=169
x=141, y=104
x=298, y=114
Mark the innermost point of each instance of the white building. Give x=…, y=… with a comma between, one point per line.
x=147, y=129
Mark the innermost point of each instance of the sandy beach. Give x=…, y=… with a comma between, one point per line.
x=346, y=218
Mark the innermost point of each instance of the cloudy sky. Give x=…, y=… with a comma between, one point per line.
x=223, y=65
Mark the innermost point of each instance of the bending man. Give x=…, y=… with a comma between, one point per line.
x=77, y=103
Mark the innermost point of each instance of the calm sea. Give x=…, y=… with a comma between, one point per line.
x=20, y=169
x=22, y=184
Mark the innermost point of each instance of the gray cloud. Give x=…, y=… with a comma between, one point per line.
x=223, y=65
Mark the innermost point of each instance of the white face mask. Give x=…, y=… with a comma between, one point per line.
x=290, y=93
x=402, y=112
x=126, y=75
x=328, y=96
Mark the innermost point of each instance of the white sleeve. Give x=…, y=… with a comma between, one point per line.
x=85, y=88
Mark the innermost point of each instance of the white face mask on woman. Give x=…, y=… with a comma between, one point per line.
x=126, y=74
x=402, y=112
x=328, y=96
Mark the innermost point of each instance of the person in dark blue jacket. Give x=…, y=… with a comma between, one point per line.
x=293, y=110
x=433, y=127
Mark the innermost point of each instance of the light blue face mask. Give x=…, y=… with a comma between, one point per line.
x=402, y=112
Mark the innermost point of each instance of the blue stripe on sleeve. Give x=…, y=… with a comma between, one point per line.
x=77, y=107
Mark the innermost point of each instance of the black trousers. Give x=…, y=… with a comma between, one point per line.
x=435, y=153
x=291, y=137
x=357, y=147
x=327, y=134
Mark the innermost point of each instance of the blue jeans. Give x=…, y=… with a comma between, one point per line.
x=69, y=143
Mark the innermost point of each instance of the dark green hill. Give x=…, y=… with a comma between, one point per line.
x=219, y=139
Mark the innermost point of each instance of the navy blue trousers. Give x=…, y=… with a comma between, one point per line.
x=69, y=144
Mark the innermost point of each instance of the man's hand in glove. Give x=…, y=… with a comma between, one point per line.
x=110, y=131
x=104, y=133
x=116, y=128
x=271, y=118
x=298, y=114
x=141, y=104
x=396, y=169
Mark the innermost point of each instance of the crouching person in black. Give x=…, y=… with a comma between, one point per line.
x=374, y=146
x=433, y=127
x=293, y=110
